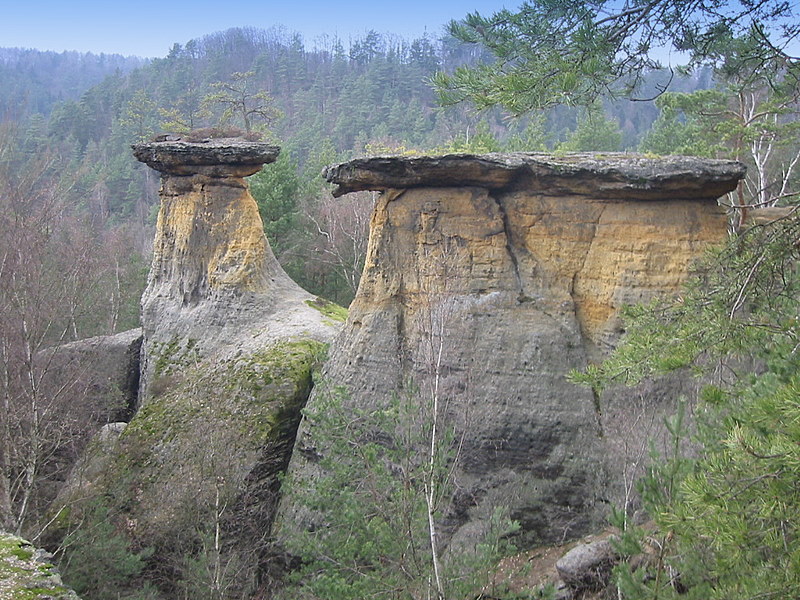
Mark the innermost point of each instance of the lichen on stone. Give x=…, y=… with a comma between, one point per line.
x=27, y=573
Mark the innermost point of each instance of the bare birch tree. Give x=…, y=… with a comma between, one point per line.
x=342, y=228
x=52, y=272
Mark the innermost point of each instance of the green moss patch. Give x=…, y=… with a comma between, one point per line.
x=23, y=577
x=209, y=444
x=173, y=355
x=330, y=309
x=207, y=430
x=242, y=390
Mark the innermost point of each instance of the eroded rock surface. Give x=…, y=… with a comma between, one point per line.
x=214, y=279
x=101, y=374
x=229, y=344
x=221, y=157
x=80, y=387
x=515, y=268
x=609, y=175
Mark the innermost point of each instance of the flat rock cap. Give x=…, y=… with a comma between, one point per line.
x=607, y=175
x=220, y=157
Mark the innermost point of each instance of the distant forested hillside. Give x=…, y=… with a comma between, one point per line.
x=32, y=81
x=321, y=104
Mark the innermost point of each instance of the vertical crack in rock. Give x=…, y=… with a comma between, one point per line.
x=403, y=352
x=510, y=243
x=577, y=299
x=598, y=412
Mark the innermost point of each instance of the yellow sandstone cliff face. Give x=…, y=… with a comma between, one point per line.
x=568, y=254
x=603, y=254
x=488, y=278
x=209, y=238
x=209, y=245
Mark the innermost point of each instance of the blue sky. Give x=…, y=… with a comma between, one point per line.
x=150, y=27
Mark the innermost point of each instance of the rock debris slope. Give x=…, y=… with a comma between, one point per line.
x=515, y=266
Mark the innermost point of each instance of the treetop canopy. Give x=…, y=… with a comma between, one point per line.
x=571, y=52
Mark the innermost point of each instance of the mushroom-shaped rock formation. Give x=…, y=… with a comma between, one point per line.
x=215, y=157
x=611, y=175
x=594, y=231
x=213, y=271
x=487, y=279
x=229, y=344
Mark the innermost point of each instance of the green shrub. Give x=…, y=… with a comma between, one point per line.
x=97, y=560
x=728, y=519
x=365, y=500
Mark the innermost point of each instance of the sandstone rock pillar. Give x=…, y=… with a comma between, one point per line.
x=516, y=266
x=229, y=345
x=215, y=284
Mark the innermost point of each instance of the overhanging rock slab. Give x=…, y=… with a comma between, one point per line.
x=611, y=175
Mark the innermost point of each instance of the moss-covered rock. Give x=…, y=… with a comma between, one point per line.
x=206, y=453
x=331, y=310
x=234, y=407
x=27, y=573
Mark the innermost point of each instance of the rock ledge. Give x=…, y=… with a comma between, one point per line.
x=28, y=573
x=219, y=157
x=609, y=175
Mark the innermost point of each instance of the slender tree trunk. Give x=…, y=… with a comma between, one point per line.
x=437, y=318
x=6, y=512
x=33, y=441
x=217, y=543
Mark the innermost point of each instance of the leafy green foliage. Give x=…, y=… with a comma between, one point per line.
x=276, y=190
x=366, y=499
x=552, y=52
x=743, y=500
x=594, y=133
x=727, y=518
x=97, y=560
x=138, y=116
x=678, y=132
x=751, y=116
x=531, y=139
x=480, y=142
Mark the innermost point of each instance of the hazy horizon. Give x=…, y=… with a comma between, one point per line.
x=149, y=29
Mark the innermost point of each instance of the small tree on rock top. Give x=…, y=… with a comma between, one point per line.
x=242, y=103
